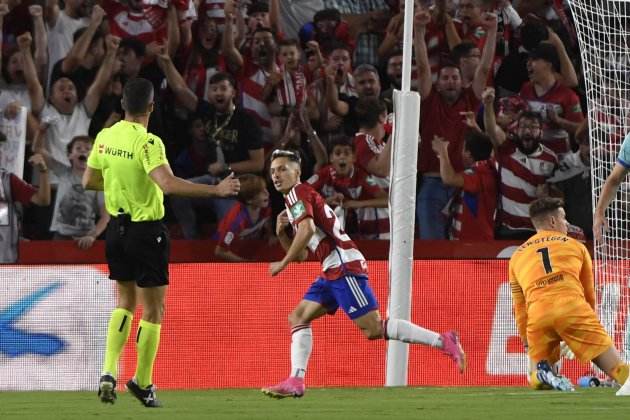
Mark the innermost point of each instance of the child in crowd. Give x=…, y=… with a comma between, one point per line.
x=76, y=210
x=250, y=218
x=351, y=191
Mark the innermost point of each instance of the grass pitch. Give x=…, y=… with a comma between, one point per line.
x=320, y=403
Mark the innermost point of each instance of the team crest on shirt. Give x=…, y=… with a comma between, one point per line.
x=298, y=209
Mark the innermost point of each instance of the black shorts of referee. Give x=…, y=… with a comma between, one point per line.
x=137, y=251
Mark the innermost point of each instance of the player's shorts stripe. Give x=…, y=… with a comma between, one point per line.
x=356, y=291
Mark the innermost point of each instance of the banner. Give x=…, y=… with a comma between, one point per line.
x=226, y=326
x=12, y=150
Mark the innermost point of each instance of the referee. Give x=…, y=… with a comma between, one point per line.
x=130, y=165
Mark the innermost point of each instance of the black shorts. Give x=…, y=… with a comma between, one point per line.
x=137, y=251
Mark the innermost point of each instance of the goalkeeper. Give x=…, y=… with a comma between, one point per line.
x=551, y=276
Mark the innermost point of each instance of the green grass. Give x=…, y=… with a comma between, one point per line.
x=340, y=403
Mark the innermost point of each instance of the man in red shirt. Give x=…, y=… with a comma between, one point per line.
x=343, y=281
x=441, y=109
x=473, y=210
x=558, y=105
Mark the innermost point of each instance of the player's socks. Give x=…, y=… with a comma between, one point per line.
x=147, y=343
x=301, y=346
x=117, y=335
x=620, y=373
x=407, y=332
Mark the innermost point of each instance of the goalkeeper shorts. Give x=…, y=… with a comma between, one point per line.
x=570, y=319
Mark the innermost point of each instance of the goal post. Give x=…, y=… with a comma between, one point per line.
x=402, y=204
x=603, y=30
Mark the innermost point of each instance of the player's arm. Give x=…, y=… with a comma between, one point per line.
x=518, y=304
x=297, y=248
x=92, y=179
x=586, y=277
x=608, y=193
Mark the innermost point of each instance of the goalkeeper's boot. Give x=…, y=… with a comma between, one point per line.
x=452, y=347
x=290, y=387
x=545, y=375
x=146, y=396
x=107, y=389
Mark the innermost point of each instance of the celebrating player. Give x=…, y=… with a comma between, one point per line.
x=343, y=281
x=553, y=293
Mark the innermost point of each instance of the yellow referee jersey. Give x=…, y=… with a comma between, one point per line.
x=126, y=153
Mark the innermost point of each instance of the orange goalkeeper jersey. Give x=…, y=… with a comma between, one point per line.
x=547, y=265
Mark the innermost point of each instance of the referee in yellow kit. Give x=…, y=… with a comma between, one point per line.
x=130, y=165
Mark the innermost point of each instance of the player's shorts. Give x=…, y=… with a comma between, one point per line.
x=137, y=251
x=351, y=292
x=570, y=319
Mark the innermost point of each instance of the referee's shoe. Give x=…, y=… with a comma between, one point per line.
x=107, y=389
x=146, y=396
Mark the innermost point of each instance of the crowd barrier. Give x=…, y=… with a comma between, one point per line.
x=226, y=324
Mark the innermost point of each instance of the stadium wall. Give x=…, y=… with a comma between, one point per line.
x=226, y=325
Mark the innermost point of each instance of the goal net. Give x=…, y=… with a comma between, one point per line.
x=603, y=29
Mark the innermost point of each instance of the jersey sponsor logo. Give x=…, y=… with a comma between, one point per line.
x=113, y=151
x=298, y=209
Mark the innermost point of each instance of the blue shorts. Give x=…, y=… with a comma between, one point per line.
x=351, y=292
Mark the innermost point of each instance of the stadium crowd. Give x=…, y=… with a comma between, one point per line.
x=502, y=119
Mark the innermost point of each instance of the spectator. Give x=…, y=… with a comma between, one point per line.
x=474, y=208
x=193, y=160
x=153, y=23
x=525, y=165
x=373, y=153
x=573, y=180
x=64, y=116
x=200, y=58
x=327, y=29
x=367, y=84
x=84, y=58
x=285, y=91
x=234, y=141
x=76, y=210
x=62, y=24
x=472, y=26
x=13, y=193
x=248, y=219
x=393, y=70
x=334, y=87
x=253, y=73
x=297, y=13
x=558, y=105
x=349, y=190
x=300, y=136
x=367, y=19
x=467, y=56
x=441, y=109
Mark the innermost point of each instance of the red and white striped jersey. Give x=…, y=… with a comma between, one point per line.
x=252, y=79
x=331, y=245
x=520, y=175
x=564, y=102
